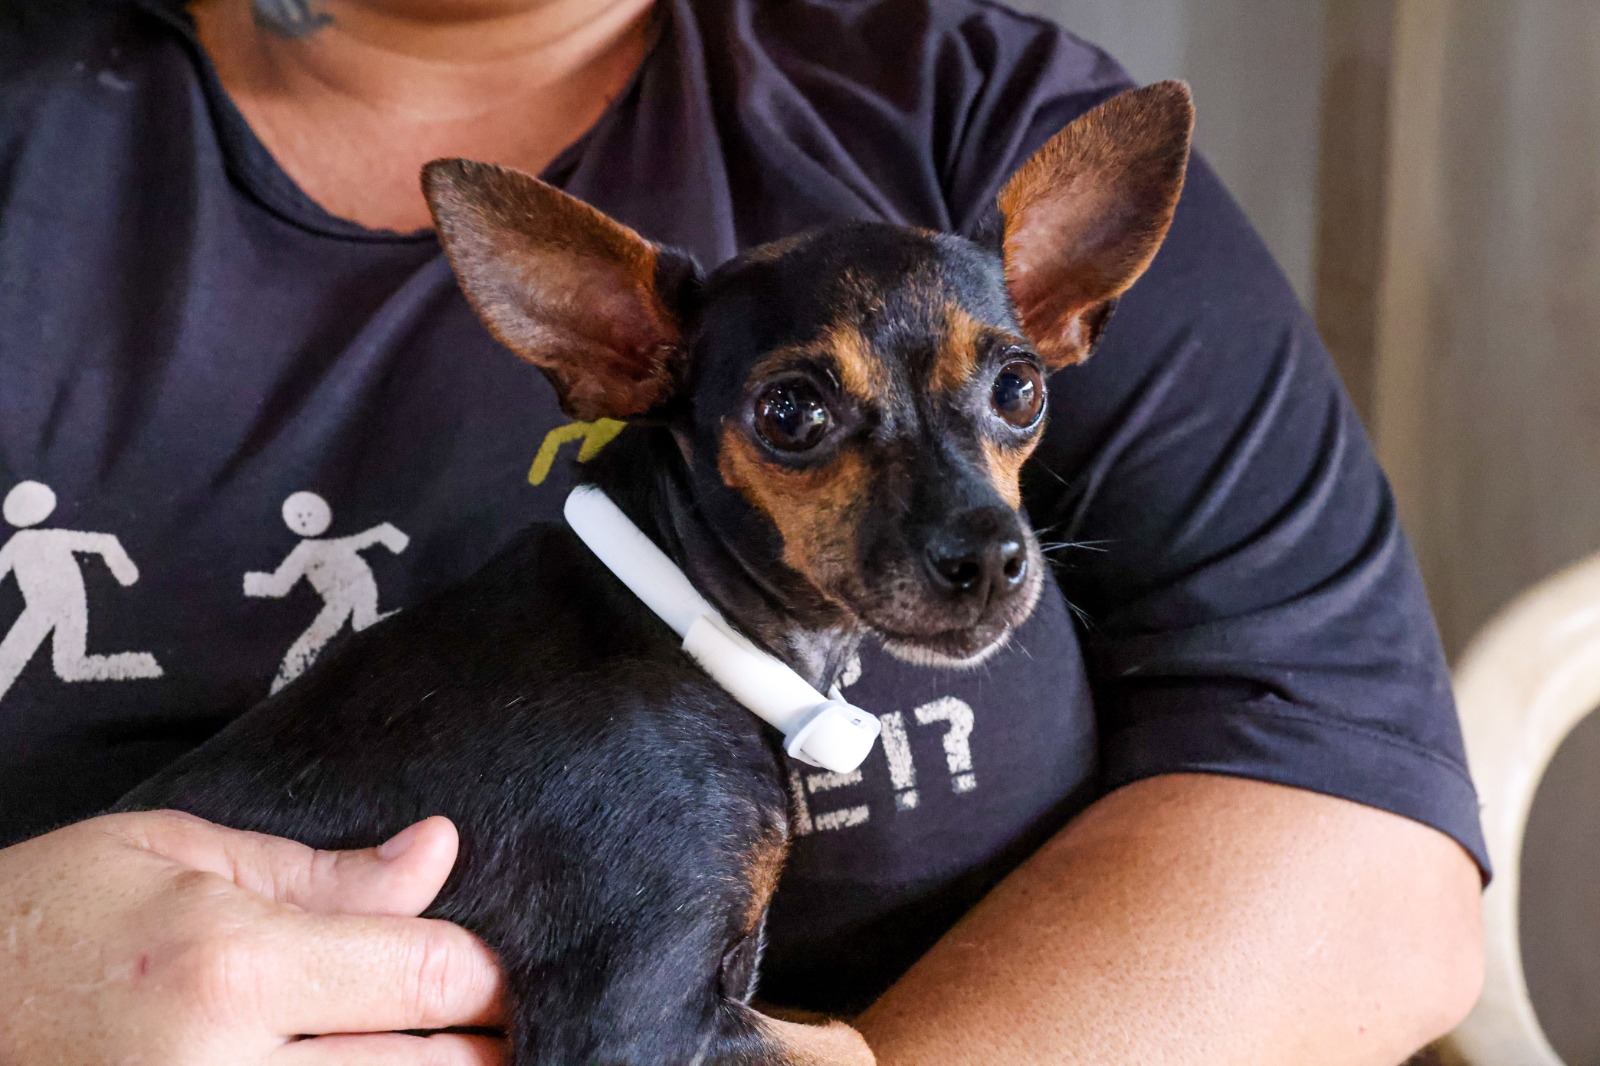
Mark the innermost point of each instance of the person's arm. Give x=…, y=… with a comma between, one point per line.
x=159, y=937
x=1252, y=618
x=1203, y=920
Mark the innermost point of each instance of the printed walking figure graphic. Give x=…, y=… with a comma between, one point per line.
x=55, y=604
x=334, y=568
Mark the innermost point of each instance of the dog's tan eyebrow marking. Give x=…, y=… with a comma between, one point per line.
x=861, y=372
x=957, y=358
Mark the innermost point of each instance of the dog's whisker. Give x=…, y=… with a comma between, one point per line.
x=1050, y=549
x=1052, y=473
x=1080, y=614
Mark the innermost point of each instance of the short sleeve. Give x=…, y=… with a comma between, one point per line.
x=1248, y=602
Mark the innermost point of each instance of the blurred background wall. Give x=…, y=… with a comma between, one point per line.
x=1255, y=68
x=1428, y=174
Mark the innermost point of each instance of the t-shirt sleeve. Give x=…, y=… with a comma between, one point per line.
x=1216, y=517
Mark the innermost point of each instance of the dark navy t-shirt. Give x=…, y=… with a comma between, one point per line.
x=234, y=428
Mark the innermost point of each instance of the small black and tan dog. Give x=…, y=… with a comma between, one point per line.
x=826, y=435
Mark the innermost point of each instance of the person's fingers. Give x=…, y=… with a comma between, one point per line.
x=361, y=974
x=394, y=1049
x=400, y=877
x=315, y=968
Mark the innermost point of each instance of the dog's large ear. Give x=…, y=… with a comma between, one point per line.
x=586, y=299
x=1086, y=213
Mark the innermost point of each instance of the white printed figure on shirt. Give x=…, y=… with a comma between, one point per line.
x=334, y=568
x=895, y=743
x=55, y=603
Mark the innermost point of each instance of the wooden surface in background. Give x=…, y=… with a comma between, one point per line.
x=1487, y=413
x=1486, y=383
x=1255, y=66
x=1352, y=187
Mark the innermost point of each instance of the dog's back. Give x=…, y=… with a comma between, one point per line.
x=621, y=817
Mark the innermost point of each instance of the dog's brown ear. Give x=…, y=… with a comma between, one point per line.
x=578, y=294
x=1086, y=213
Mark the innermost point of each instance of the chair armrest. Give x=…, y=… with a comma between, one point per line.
x=1530, y=676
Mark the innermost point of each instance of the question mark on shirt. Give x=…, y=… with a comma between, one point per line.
x=957, y=739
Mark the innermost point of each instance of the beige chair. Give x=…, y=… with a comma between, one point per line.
x=1531, y=675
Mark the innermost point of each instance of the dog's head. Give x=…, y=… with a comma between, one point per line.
x=855, y=404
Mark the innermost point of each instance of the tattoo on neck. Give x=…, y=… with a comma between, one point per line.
x=289, y=18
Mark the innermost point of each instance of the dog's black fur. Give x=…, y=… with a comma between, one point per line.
x=609, y=795
x=622, y=818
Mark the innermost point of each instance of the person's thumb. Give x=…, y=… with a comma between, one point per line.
x=399, y=877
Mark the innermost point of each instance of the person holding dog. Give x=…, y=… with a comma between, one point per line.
x=1224, y=819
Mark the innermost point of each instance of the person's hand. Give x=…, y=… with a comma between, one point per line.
x=162, y=938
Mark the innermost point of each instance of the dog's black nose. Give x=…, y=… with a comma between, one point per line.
x=979, y=553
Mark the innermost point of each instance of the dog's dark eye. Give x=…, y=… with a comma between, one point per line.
x=1018, y=394
x=792, y=417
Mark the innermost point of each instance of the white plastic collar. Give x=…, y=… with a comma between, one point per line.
x=819, y=730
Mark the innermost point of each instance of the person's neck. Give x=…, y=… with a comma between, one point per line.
x=643, y=471
x=353, y=96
